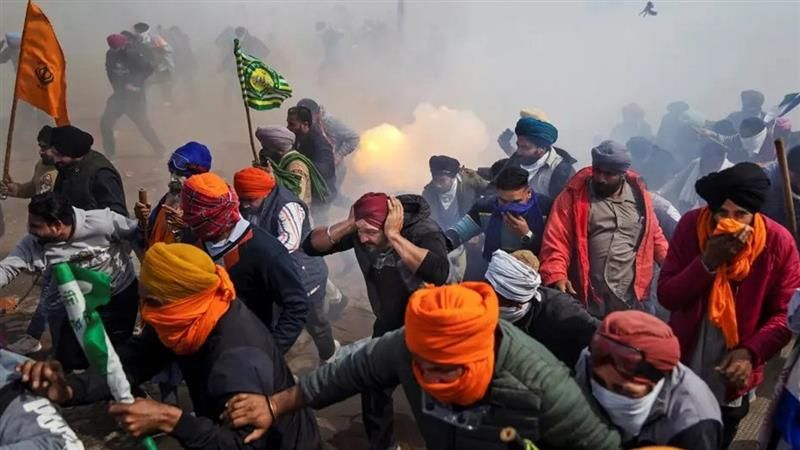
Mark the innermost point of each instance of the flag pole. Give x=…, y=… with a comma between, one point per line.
x=13, y=116
x=240, y=71
x=780, y=152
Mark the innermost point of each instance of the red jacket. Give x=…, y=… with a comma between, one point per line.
x=761, y=299
x=565, y=247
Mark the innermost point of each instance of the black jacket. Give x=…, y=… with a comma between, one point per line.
x=264, y=275
x=389, y=281
x=238, y=356
x=92, y=183
x=316, y=147
x=127, y=66
x=561, y=323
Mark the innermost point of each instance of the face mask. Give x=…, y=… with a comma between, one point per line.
x=793, y=313
x=627, y=413
x=513, y=314
x=753, y=143
x=514, y=208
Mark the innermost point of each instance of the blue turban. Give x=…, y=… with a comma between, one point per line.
x=13, y=39
x=190, y=159
x=540, y=132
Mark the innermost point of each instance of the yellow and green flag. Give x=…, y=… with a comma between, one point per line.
x=262, y=87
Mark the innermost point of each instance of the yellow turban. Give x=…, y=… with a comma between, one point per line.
x=175, y=271
x=536, y=113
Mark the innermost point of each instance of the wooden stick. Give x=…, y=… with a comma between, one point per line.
x=780, y=152
x=250, y=131
x=145, y=226
x=512, y=439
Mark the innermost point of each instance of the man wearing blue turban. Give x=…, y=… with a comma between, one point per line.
x=549, y=168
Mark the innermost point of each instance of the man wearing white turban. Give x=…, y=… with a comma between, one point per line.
x=555, y=319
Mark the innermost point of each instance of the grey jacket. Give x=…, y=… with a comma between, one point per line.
x=29, y=422
x=685, y=414
x=100, y=241
x=530, y=390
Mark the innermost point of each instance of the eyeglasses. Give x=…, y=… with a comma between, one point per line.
x=628, y=360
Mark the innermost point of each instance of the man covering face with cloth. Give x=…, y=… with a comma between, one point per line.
x=465, y=376
x=727, y=279
x=633, y=372
x=557, y=320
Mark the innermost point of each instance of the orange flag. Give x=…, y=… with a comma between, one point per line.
x=41, y=74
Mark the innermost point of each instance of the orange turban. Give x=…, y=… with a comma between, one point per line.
x=196, y=293
x=454, y=325
x=253, y=183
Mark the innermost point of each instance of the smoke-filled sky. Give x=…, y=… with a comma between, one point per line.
x=476, y=62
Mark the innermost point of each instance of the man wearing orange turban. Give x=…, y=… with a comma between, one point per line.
x=279, y=212
x=632, y=371
x=193, y=318
x=259, y=266
x=727, y=281
x=466, y=375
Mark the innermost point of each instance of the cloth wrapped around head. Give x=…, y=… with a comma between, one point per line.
x=611, y=156
x=511, y=278
x=536, y=113
x=444, y=165
x=192, y=294
x=744, y=184
x=45, y=135
x=752, y=99
x=538, y=131
x=72, y=141
x=210, y=206
x=275, y=138
x=373, y=208
x=253, y=183
x=116, y=41
x=454, y=325
x=190, y=159
x=628, y=338
x=678, y=107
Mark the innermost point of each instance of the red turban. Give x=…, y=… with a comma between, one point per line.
x=622, y=333
x=116, y=41
x=253, y=183
x=373, y=208
x=210, y=206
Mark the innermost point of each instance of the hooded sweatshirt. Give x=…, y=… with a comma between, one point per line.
x=100, y=241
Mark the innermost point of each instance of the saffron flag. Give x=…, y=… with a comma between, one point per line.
x=83, y=291
x=41, y=74
x=262, y=87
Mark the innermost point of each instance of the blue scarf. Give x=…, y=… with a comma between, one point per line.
x=529, y=211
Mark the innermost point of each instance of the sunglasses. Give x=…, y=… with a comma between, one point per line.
x=627, y=360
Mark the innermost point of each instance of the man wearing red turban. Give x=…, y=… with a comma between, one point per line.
x=466, y=374
x=633, y=371
x=258, y=264
x=399, y=247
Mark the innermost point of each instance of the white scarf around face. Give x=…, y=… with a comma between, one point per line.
x=629, y=414
x=447, y=198
x=514, y=281
x=752, y=144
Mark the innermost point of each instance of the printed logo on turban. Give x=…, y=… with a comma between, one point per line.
x=44, y=75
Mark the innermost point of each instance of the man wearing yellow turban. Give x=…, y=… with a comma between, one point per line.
x=193, y=317
x=466, y=374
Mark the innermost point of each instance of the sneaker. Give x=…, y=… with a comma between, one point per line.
x=337, y=345
x=25, y=345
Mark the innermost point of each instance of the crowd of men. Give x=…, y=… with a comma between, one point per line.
x=605, y=307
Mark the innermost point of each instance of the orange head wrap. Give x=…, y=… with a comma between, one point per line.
x=195, y=291
x=454, y=325
x=253, y=183
x=721, y=305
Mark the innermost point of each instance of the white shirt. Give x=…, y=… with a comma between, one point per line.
x=215, y=248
